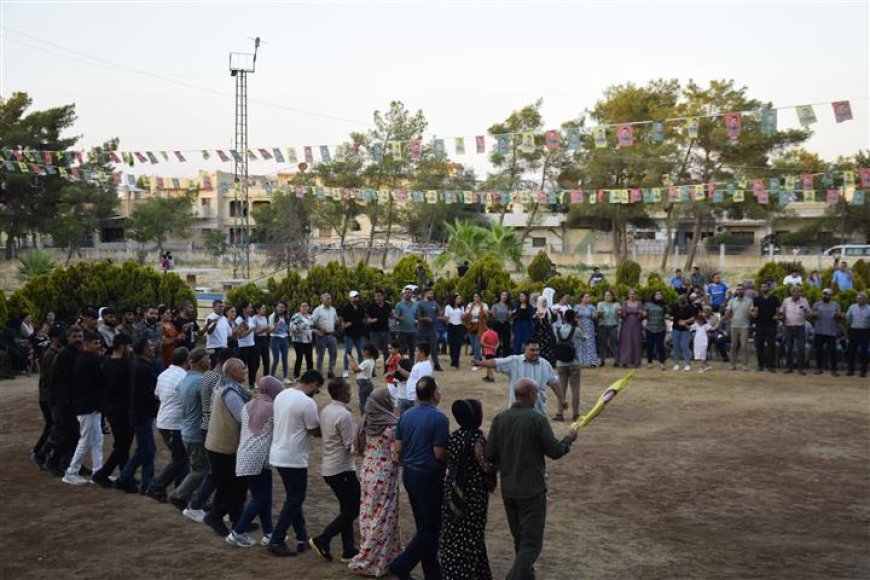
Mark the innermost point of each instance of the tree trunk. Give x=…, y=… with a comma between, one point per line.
x=511, y=186
x=696, y=236
x=373, y=218
x=669, y=237
x=389, y=233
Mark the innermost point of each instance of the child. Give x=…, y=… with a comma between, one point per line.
x=700, y=326
x=393, y=360
x=364, y=372
x=398, y=391
x=489, y=342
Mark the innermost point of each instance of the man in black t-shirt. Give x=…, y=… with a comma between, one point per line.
x=187, y=325
x=352, y=317
x=378, y=320
x=765, y=313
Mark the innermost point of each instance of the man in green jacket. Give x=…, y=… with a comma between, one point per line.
x=519, y=439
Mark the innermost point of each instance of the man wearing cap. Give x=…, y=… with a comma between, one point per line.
x=353, y=322
x=325, y=318
x=826, y=316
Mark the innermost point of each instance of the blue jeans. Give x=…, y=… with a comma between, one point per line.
x=681, y=348
x=295, y=481
x=425, y=494
x=522, y=332
x=349, y=344
x=474, y=339
x=143, y=456
x=279, y=346
x=200, y=497
x=260, y=503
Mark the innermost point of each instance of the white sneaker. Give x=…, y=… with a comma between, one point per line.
x=195, y=515
x=74, y=479
x=705, y=369
x=266, y=539
x=241, y=540
x=687, y=368
x=287, y=381
x=345, y=375
x=676, y=367
x=475, y=369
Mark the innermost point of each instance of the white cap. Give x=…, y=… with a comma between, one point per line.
x=353, y=294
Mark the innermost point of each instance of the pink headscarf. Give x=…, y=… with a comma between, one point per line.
x=260, y=408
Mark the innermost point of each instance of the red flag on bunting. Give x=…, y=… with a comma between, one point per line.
x=552, y=140
x=264, y=153
x=732, y=125
x=833, y=196
x=625, y=135
x=480, y=143
x=842, y=111
x=636, y=195
x=864, y=174
x=222, y=155
x=416, y=149
x=139, y=157
x=807, y=181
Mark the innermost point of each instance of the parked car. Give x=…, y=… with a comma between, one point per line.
x=851, y=251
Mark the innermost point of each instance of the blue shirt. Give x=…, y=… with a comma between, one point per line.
x=676, y=282
x=717, y=293
x=407, y=313
x=420, y=429
x=843, y=280
x=191, y=407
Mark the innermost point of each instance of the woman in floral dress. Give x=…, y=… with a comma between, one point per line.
x=470, y=479
x=380, y=542
x=586, y=315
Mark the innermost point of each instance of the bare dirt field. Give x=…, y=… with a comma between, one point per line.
x=722, y=475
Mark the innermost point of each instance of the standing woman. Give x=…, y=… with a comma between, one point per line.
x=608, y=328
x=476, y=313
x=542, y=329
x=232, y=338
x=501, y=323
x=630, y=334
x=302, y=332
x=683, y=315
x=655, y=329
x=380, y=541
x=261, y=337
x=522, y=316
x=453, y=315
x=280, y=325
x=470, y=479
x=247, y=347
x=586, y=317
x=171, y=337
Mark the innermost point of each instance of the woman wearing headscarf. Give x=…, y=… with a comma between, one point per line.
x=470, y=479
x=542, y=329
x=380, y=542
x=252, y=462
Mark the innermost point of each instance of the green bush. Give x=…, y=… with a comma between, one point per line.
x=771, y=270
x=332, y=278
x=405, y=270
x=528, y=287
x=654, y=278
x=249, y=292
x=444, y=288
x=861, y=270
x=19, y=305
x=846, y=298
x=628, y=273
x=66, y=291
x=289, y=289
x=487, y=276
x=34, y=263
x=540, y=267
x=570, y=285
x=646, y=292
x=368, y=279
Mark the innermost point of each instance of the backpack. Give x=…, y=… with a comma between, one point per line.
x=565, y=351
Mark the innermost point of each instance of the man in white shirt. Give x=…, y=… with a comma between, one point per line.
x=324, y=318
x=793, y=279
x=169, y=418
x=217, y=331
x=339, y=471
x=295, y=423
x=794, y=311
x=422, y=368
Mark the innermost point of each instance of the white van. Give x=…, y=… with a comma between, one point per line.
x=855, y=252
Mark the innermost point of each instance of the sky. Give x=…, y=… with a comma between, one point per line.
x=155, y=74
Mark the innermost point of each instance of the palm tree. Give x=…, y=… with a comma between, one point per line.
x=504, y=243
x=465, y=241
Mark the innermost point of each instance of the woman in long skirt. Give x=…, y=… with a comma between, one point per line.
x=586, y=316
x=630, y=334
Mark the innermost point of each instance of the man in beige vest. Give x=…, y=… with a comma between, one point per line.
x=221, y=444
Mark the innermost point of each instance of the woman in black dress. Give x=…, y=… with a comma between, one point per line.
x=470, y=479
x=542, y=329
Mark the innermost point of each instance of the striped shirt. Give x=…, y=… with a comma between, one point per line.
x=516, y=367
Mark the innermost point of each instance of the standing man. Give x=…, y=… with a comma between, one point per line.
x=717, y=291
x=826, y=317
x=128, y=322
x=247, y=347
x=528, y=365
x=44, y=444
x=737, y=311
x=794, y=278
x=378, y=320
x=87, y=381
x=169, y=425
x=149, y=328
x=676, y=282
x=422, y=368
x=858, y=319
x=295, y=423
x=217, y=331
x=65, y=433
x=115, y=405
x=596, y=277
x=697, y=278
x=338, y=471
x=518, y=441
x=353, y=322
x=107, y=328
x=843, y=277
x=325, y=318
x=187, y=326
x=428, y=312
x=765, y=312
x=421, y=444
x=794, y=312
x=406, y=313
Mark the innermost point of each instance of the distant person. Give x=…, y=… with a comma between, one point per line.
x=217, y=330
x=858, y=319
x=461, y=270
x=737, y=312
x=596, y=277
x=815, y=280
x=325, y=322
x=676, y=282
x=717, y=290
x=765, y=313
x=352, y=318
x=87, y=382
x=826, y=317
x=794, y=278
x=697, y=278
x=843, y=277
x=795, y=311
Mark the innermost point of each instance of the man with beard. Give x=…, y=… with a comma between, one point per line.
x=87, y=382
x=107, y=328
x=737, y=312
x=187, y=326
x=765, y=312
x=150, y=328
x=353, y=323
x=378, y=320
x=826, y=317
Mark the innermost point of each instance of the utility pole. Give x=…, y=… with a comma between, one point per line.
x=242, y=63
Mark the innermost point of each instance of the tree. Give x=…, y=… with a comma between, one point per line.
x=504, y=242
x=337, y=214
x=427, y=223
x=284, y=228
x=28, y=201
x=156, y=218
x=465, y=242
x=215, y=242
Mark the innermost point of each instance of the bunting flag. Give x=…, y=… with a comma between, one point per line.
x=112, y=155
x=573, y=135
x=763, y=198
x=176, y=184
x=768, y=121
x=159, y=183
x=502, y=144
x=179, y=156
x=416, y=149
x=164, y=155
x=131, y=180
x=264, y=153
x=324, y=154
x=858, y=197
x=377, y=152
x=205, y=155
x=806, y=181
x=842, y=111
x=439, y=150
x=395, y=150
x=250, y=155
x=459, y=144
x=291, y=155
x=692, y=126
x=527, y=142
x=276, y=153
x=806, y=115
x=599, y=136
x=222, y=156
x=732, y=125
x=309, y=155
x=552, y=140
x=151, y=157
x=864, y=174
x=625, y=135
x=206, y=183
x=849, y=178
x=237, y=157
x=480, y=144
x=658, y=131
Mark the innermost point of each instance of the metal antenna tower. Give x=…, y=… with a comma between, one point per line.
x=242, y=63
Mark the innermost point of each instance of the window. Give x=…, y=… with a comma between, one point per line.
x=205, y=202
x=539, y=242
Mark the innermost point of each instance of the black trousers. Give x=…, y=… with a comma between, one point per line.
x=122, y=439
x=178, y=466
x=503, y=328
x=262, y=345
x=346, y=488
x=230, y=490
x=41, y=449
x=251, y=358
x=455, y=336
x=826, y=352
x=65, y=435
x=765, y=345
x=303, y=349
x=859, y=343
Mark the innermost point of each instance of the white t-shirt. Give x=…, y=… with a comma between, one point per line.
x=261, y=322
x=294, y=414
x=247, y=340
x=454, y=315
x=220, y=334
x=366, y=368
x=169, y=414
x=418, y=371
x=793, y=280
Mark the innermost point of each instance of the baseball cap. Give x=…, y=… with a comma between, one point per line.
x=353, y=294
x=827, y=291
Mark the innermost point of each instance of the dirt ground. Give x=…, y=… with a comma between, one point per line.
x=729, y=474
